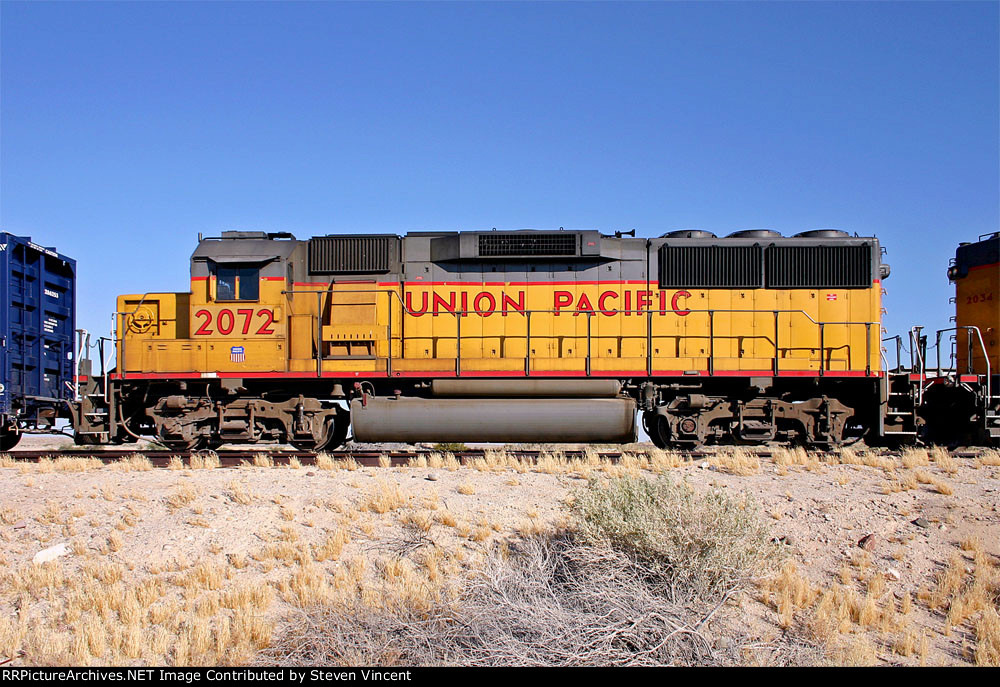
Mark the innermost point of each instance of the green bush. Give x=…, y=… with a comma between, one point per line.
x=691, y=545
x=450, y=447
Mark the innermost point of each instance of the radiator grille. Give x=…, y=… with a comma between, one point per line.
x=495, y=245
x=845, y=267
x=734, y=267
x=351, y=254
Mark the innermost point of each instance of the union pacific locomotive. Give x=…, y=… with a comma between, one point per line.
x=540, y=336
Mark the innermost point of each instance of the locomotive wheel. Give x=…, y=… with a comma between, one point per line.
x=342, y=425
x=334, y=433
x=320, y=445
x=657, y=428
x=8, y=440
x=185, y=446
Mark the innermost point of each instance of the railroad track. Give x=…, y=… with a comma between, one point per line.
x=236, y=458
x=366, y=458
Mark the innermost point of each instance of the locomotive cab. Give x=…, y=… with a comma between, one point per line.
x=212, y=363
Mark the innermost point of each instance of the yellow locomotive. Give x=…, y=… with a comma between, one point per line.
x=958, y=389
x=503, y=336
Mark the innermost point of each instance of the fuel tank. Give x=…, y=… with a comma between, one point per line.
x=534, y=420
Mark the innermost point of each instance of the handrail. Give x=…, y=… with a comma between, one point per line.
x=986, y=357
x=616, y=311
x=899, y=351
x=917, y=349
x=395, y=294
x=458, y=314
x=83, y=344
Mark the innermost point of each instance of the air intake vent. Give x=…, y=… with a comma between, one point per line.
x=818, y=267
x=494, y=245
x=352, y=254
x=731, y=267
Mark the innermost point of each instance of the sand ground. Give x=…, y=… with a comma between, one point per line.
x=205, y=565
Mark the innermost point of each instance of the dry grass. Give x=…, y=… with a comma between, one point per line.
x=943, y=460
x=841, y=619
x=989, y=457
x=787, y=457
x=9, y=516
x=99, y=618
x=942, y=487
x=76, y=464
x=736, y=461
x=988, y=638
x=204, y=460
x=95, y=612
x=543, y=601
x=631, y=583
x=262, y=460
x=182, y=495
x=850, y=625
x=134, y=463
x=239, y=492
x=915, y=458
x=384, y=498
x=787, y=593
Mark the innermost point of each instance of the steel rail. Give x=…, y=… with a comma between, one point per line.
x=374, y=458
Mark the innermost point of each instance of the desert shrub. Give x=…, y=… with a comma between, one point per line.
x=694, y=546
x=634, y=582
x=450, y=447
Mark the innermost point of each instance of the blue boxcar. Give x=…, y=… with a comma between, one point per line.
x=37, y=331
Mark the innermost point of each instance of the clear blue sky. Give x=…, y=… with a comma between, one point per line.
x=129, y=128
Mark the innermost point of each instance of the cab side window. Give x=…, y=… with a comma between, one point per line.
x=248, y=280
x=237, y=283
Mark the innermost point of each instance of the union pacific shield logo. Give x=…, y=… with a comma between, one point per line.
x=236, y=354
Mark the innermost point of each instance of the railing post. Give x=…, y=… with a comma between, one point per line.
x=937, y=350
x=589, y=315
x=119, y=327
x=711, y=342
x=822, y=347
x=527, y=344
x=458, y=343
x=868, y=348
x=388, y=359
x=777, y=349
x=319, y=332
x=968, y=358
x=649, y=342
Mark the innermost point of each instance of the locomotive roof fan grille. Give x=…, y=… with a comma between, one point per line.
x=494, y=245
x=831, y=267
x=731, y=267
x=351, y=254
x=773, y=267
